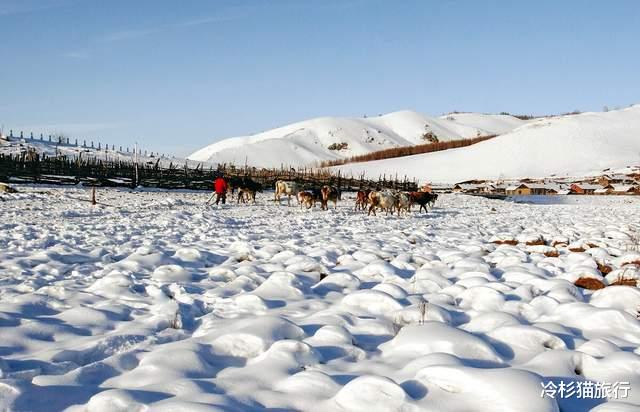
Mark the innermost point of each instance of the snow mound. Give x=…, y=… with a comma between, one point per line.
x=433, y=337
x=503, y=389
x=372, y=393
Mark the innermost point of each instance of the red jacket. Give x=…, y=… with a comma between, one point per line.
x=220, y=185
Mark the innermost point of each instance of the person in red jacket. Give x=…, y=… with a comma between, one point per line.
x=220, y=187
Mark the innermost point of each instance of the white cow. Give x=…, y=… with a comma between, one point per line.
x=383, y=200
x=404, y=202
x=286, y=188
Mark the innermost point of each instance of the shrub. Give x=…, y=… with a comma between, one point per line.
x=338, y=146
x=430, y=137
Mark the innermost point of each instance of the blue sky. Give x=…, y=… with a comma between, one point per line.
x=175, y=76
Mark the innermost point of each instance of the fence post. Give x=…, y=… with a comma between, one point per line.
x=136, y=165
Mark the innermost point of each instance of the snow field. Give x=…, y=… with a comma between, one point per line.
x=152, y=300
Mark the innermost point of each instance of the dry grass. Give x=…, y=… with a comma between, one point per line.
x=604, y=268
x=589, y=283
x=511, y=242
x=422, y=307
x=406, y=151
x=176, y=322
x=634, y=242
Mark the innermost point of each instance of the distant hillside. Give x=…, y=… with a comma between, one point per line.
x=329, y=138
x=17, y=145
x=570, y=145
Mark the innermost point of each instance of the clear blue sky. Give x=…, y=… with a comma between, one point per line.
x=177, y=75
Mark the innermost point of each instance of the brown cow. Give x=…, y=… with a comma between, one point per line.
x=423, y=199
x=362, y=198
x=329, y=193
x=307, y=198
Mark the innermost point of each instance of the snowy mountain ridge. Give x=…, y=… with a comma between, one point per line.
x=329, y=138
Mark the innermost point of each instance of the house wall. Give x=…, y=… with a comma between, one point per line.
x=519, y=191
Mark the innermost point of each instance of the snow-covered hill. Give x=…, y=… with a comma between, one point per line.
x=16, y=146
x=572, y=145
x=309, y=142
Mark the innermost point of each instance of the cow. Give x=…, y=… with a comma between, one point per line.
x=247, y=190
x=286, y=188
x=384, y=200
x=329, y=193
x=232, y=185
x=362, y=198
x=403, y=202
x=307, y=198
x=424, y=199
x=432, y=199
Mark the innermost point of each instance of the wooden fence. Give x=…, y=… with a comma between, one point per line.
x=36, y=168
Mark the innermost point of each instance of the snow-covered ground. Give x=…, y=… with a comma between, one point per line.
x=152, y=299
x=572, y=145
x=306, y=143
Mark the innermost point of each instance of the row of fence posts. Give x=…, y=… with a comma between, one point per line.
x=321, y=176
x=66, y=141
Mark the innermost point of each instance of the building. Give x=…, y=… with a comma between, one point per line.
x=518, y=190
x=612, y=179
x=584, y=188
x=625, y=190
x=442, y=188
x=500, y=188
x=606, y=190
x=467, y=188
x=555, y=189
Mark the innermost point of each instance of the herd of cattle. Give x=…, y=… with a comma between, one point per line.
x=389, y=201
